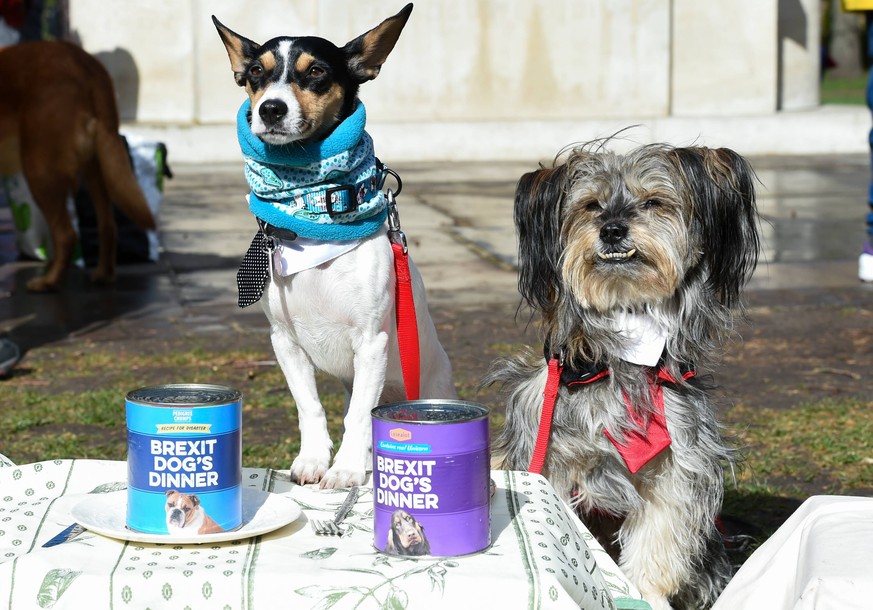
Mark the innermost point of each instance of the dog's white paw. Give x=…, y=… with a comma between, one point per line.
x=308, y=470
x=339, y=478
x=657, y=602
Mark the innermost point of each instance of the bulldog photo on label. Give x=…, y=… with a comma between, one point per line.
x=185, y=515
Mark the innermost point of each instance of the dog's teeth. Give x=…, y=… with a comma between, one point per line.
x=613, y=256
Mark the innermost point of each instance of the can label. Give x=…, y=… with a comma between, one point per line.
x=431, y=478
x=184, y=462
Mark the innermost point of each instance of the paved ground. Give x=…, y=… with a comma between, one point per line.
x=810, y=319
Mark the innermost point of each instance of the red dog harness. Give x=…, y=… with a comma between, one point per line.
x=638, y=447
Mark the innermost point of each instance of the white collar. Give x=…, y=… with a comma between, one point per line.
x=645, y=337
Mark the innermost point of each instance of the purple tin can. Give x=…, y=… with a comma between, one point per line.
x=431, y=478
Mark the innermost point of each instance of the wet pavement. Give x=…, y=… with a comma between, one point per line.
x=458, y=217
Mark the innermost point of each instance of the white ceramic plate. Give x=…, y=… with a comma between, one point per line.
x=262, y=512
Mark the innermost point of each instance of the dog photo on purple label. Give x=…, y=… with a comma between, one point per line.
x=635, y=264
x=406, y=536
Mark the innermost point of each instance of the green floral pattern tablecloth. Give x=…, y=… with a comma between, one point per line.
x=542, y=557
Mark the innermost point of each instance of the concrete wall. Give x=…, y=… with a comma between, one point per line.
x=510, y=63
x=456, y=59
x=799, y=54
x=724, y=57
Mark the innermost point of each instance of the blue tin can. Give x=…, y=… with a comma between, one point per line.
x=184, y=459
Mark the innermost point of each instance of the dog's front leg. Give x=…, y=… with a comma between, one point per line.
x=670, y=547
x=312, y=462
x=649, y=547
x=350, y=464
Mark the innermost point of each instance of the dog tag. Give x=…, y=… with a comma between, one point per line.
x=253, y=271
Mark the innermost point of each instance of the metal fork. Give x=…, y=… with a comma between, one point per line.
x=326, y=528
x=332, y=528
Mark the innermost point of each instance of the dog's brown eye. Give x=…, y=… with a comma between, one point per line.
x=591, y=206
x=256, y=71
x=315, y=71
x=652, y=203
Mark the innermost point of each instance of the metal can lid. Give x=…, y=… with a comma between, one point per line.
x=431, y=411
x=184, y=394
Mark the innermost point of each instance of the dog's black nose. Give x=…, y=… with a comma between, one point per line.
x=272, y=111
x=613, y=232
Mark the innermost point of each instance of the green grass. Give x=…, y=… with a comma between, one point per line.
x=843, y=90
x=820, y=448
x=51, y=406
x=828, y=443
x=69, y=402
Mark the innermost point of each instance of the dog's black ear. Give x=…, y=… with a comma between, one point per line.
x=539, y=198
x=366, y=53
x=239, y=49
x=722, y=185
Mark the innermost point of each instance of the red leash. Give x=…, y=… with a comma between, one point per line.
x=404, y=301
x=550, y=395
x=407, y=325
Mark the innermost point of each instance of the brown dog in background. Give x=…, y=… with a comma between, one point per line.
x=59, y=124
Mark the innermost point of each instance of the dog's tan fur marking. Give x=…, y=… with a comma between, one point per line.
x=235, y=53
x=254, y=96
x=377, y=44
x=321, y=110
x=303, y=63
x=268, y=61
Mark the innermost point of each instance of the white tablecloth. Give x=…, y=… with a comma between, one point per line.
x=821, y=558
x=542, y=556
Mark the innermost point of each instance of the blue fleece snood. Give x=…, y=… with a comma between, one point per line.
x=289, y=182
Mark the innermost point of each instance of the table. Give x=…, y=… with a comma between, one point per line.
x=541, y=557
x=819, y=558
